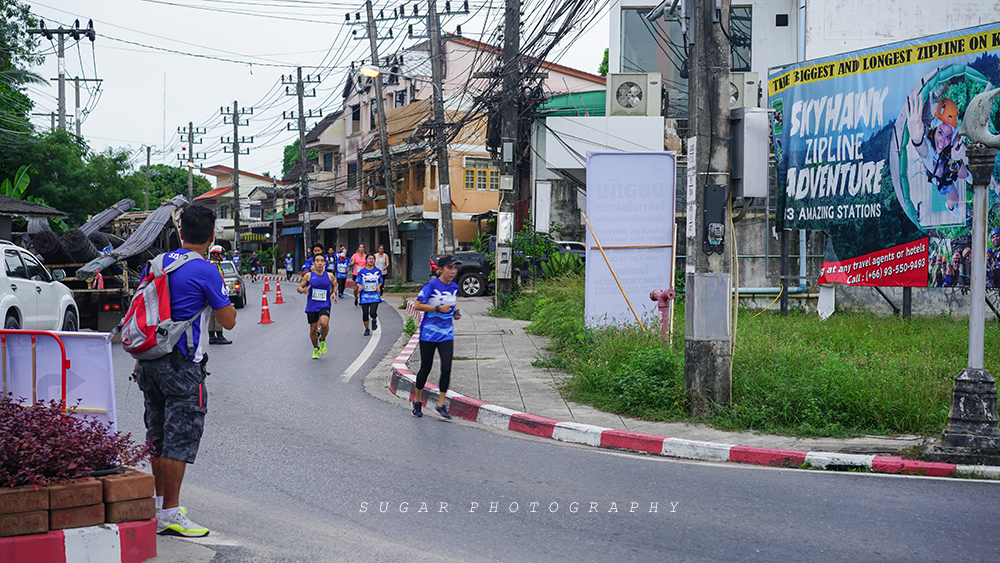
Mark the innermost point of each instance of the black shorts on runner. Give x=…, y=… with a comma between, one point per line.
x=176, y=401
x=313, y=316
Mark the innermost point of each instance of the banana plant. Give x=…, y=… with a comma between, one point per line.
x=19, y=186
x=560, y=263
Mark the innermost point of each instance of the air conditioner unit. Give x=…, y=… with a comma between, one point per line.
x=743, y=90
x=634, y=94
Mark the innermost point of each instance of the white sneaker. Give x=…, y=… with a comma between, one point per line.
x=180, y=525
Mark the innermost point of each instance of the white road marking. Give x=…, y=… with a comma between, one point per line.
x=365, y=354
x=213, y=538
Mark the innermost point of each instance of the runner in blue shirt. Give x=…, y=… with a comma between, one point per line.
x=318, y=284
x=317, y=250
x=173, y=386
x=289, y=266
x=341, y=266
x=437, y=299
x=367, y=288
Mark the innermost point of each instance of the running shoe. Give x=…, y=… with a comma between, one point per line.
x=374, y=324
x=443, y=411
x=368, y=332
x=315, y=353
x=416, y=412
x=180, y=525
x=322, y=346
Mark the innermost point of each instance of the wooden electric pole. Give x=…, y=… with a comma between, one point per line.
x=440, y=131
x=509, y=134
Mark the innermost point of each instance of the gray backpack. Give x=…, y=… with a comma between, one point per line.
x=148, y=331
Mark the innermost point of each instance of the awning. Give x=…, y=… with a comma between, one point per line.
x=356, y=221
x=377, y=221
x=253, y=237
x=336, y=221
x=259, y=224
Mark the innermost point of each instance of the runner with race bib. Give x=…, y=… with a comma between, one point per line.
x=368, y=287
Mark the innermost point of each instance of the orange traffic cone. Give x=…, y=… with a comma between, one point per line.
x=267, y=286
x=278, y=300
x=265, y=313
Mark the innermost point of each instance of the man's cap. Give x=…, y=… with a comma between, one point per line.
x=995, y=231
x=446, y=260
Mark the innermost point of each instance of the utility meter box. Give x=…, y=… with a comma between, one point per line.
x=748, y=153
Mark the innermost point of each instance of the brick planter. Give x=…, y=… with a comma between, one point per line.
x=122, y=497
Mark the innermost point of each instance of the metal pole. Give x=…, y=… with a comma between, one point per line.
x=149, y=153
x=390, y=191
x=509, y=136
x=440, y=137
x=977, y=280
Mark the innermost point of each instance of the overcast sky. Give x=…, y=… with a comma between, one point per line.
x=165, y=63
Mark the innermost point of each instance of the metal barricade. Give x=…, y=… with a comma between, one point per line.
x=64, y=362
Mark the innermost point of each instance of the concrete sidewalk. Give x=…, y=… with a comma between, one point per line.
x=493, y=381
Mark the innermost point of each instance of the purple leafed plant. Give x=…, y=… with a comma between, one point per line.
x=39, y=445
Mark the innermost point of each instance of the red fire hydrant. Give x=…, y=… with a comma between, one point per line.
x=662, y=298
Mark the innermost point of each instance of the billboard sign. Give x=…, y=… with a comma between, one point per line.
x=868, y=150
x=630, y=207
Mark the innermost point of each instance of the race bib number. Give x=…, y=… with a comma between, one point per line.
x=371, y=286
x=319, y=295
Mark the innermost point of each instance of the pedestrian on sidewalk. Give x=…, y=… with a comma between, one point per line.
x=289, y=266
x=358, y=261
x=367, y=291
x=438, y=300
x=341, y=266
x=318, y=284
x=173, y=386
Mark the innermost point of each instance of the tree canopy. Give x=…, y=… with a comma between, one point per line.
x=291, y=157
x=167, y=182
x=16, y=58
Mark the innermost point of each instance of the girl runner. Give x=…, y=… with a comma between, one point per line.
x=341, y=266
x=366, y=289
x=437, y=299
x=317, y=283
x=357, y=262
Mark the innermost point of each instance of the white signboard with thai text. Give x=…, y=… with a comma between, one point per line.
x=630, y=208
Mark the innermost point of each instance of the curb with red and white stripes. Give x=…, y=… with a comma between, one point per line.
x=402, y=383
x=128, y=542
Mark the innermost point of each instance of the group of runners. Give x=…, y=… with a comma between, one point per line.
x=437, y=300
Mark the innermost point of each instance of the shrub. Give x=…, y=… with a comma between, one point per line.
x=40, y=445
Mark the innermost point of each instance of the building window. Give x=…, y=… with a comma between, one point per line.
x=400, y=98
x=223, y=211
x=374, y=122
x=352, y=174
x=355, y=118
x=481, y=174
x=660, y=47
x=255, y=210
x=327, y=161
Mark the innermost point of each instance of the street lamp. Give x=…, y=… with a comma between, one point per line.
x=372, y=71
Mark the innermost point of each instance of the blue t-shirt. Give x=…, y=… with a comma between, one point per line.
x=343, y=264
x=192, y=286
x=289, y=264
x=438, y=327
x=369, y=280
x=319, y=292
x=308, y=264
x=329, y=262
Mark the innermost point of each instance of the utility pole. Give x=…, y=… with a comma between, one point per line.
x=509, y=134
x=149, y=152
x=76, y=31
x=708, y=340
x=191, y=131
x=440, y=135
x=77, y=116
x=234, y=116
x=390, y=191
x=300, y=92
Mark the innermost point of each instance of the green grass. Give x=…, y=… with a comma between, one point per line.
x=854, y=374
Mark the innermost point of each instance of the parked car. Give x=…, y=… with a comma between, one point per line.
x=31, y=298
x=578, y=248
x=473, y=272
x=234, y=283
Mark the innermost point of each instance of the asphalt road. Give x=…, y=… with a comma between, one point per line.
x=299, y=464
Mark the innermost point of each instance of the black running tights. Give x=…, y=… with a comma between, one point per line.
x=369, y=310
x=445, y=349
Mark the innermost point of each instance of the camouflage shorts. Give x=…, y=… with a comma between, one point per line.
x=176, y=401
